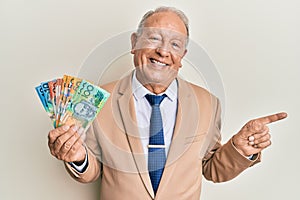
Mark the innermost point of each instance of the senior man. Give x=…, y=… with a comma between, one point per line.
x=158, y=134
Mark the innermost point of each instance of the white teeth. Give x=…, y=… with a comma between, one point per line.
x=159, y=63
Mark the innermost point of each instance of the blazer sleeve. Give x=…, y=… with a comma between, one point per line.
x=94, y=167
x=223, y=162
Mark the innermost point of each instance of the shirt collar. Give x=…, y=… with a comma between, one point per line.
x=139, y=91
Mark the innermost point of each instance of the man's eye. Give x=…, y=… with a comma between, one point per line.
x=154, y=38
x=176, y=45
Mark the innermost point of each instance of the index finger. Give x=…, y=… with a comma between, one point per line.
x=272, y=118
x=57, y=132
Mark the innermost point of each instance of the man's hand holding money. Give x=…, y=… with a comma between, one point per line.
x=65, y=143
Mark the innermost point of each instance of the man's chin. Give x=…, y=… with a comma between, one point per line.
x=158, y=79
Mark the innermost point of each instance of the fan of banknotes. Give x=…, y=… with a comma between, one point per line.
x=71, y=100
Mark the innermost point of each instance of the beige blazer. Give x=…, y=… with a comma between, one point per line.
x=195, y=149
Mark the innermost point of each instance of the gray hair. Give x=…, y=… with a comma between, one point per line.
x=178, y=12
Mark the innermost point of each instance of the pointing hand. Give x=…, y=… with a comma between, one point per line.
x=255, y=136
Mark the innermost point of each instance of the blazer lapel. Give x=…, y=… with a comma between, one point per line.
x=183, y=131
x=127, y=111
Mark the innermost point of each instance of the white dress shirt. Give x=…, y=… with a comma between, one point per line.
x=168, y=108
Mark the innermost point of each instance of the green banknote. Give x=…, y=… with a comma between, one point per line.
x=84, y=105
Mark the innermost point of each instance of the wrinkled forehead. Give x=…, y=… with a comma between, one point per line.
x=169, y=33
x=167, y=20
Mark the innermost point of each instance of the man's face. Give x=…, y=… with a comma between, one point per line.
x=159, y=49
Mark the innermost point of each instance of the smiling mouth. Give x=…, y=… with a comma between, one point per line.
x=157, y=62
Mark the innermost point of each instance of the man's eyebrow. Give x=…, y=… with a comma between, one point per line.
x=161, y=31
x=148, y=32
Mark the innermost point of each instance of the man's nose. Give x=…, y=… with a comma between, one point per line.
x=163, y=51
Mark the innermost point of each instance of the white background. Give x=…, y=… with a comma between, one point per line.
x=254, y=44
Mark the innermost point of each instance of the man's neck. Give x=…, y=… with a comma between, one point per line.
x=156, y=88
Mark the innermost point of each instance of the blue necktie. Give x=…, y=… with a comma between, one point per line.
x=156, y=150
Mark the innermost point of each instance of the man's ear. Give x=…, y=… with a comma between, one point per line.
x=185, y=51
x=133, y=42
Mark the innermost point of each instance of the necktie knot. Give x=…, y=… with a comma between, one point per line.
x=155, y=99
